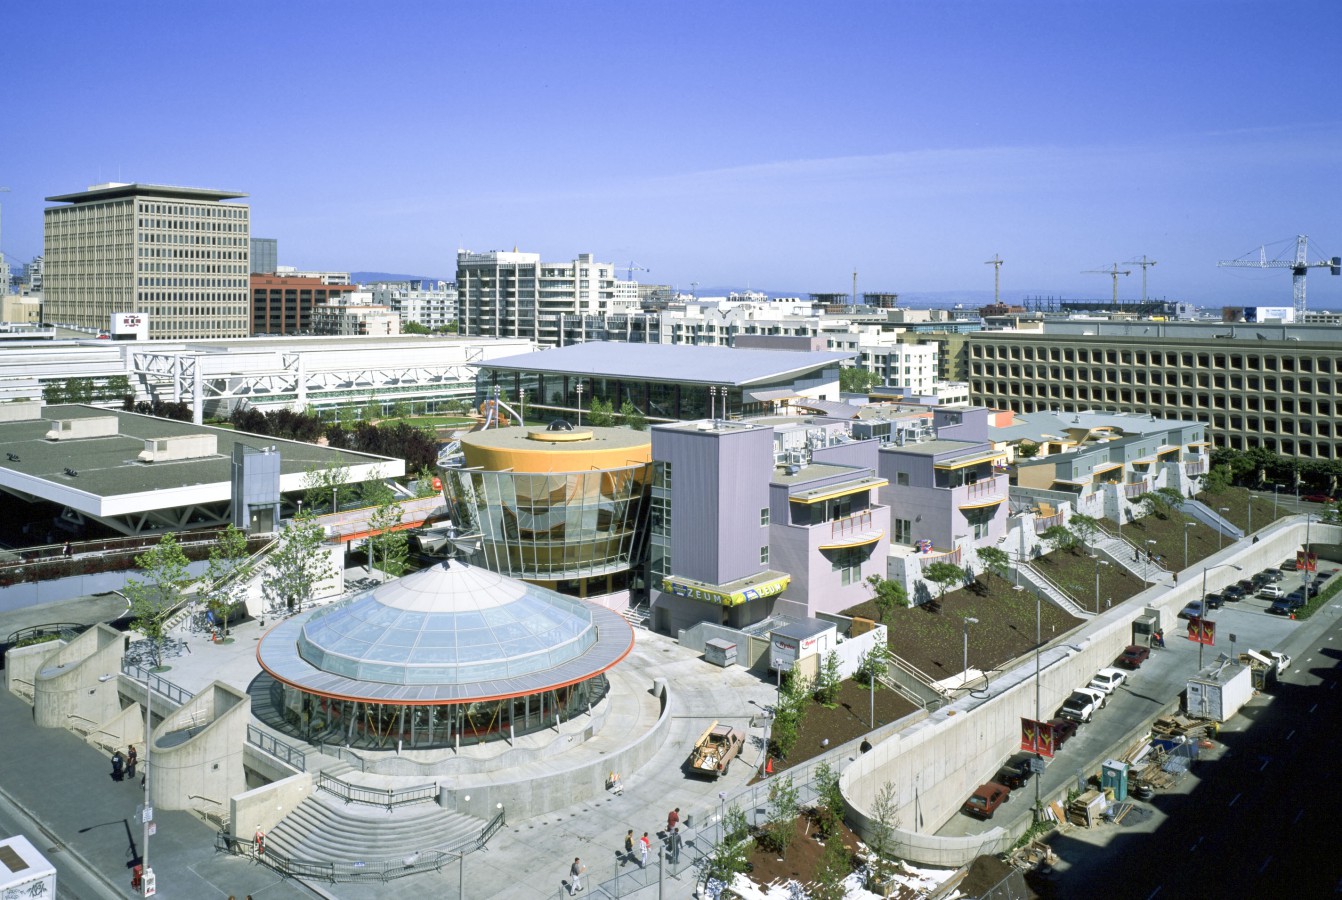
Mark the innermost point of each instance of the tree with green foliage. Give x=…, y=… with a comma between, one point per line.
x=387, y=545
x=887, y=595
x=632, y=417
x=873, y=665
x=1059, y=537
x=884, y=820
x=415, y=328
x=347, y=418
x=784, y=805
x=827, y=681
x=995, y=561
x=600, y=413
x=400, y=409
x=225, y=589
x=1027, y=450
x=836, y=864
x=1084, y=527
x=372, y=410
x=374, y=491
x=1217, y=480
x=296, y=565
x=1161, y=502
x=943, y=575
x=829, y=799
x=730, y=857
x=153, y=598
x=322, y=487
x=853, y=380
x=793, y=695
x=423, y=483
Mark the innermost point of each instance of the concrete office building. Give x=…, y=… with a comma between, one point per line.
x=179, y=256
x=265, y=256
x=1278, y=387
x=350, y=320
x=431, y=304
x=284, y=305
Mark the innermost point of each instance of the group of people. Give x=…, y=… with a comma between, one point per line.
x=637, y=848
x=123, y=767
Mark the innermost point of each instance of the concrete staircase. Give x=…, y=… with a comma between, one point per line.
x=1035, y=579
x=637, y=616
x=1122, y=553
x=325, y=830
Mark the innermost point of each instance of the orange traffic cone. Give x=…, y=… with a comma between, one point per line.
x=769, y=765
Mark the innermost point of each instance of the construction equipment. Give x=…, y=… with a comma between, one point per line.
x=632, y=268
x=1113, y=270
x=1145, y=264
x=996, y=263
x=1298, y=265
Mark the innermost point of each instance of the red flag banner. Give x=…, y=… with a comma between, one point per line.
x=1029, y=735
x=1045, y=731
x=1306, y=562
x=1208, y=632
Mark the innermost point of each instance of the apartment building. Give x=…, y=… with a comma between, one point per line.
x=1273, y=386
x=178, y=256
x=355, y=320
x=284, y=305
x=428, y=303
x=913, y=367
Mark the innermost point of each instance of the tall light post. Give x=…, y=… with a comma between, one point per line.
x=1098, y=562
x=1038, y=776
x=1020, y=554
x=1150, y=561
x=579, y=390
x=1252, y=498
x=147, y=885
x=1187, y=525
x=1221, y=509
x=964, y=677
x=1274, y=501
x=1205, y=570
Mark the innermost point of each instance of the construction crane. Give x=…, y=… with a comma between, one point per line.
x=1298, y=266
x=1113, y=270
x=634, y=267
x=1145, y=264
x=4, y=287
x=996, y=263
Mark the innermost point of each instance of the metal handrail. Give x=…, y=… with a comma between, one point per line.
x=57, y=628
x=388, y=799
x=277, y=748
x=382, y=870
x=156, y=683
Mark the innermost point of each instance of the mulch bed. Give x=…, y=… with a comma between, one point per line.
x=802, y=859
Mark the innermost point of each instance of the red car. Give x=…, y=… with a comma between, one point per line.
x=1317, y=498
x=984, y=801
x=1133, y=656
x=1063, y=729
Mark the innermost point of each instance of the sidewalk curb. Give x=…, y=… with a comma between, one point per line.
x=93, y=873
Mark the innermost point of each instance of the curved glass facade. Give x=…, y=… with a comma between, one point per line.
x=556, y=526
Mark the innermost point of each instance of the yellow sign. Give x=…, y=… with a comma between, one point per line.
x=726, y=598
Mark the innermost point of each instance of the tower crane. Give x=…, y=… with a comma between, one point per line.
x=4, y=287
x=1145, y=264
x=996, y=263
x=1298, y=266
x=632, y=268
x=1113, y=270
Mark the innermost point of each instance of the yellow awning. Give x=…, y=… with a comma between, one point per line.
x=821, y=494
x=1107, y=467
x=967, y=461
x=982, y=504
x=862, y=538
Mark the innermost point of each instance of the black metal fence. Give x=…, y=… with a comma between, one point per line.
x=373, y=870
x=277, y=748
x=157, y=684
x=388, y=799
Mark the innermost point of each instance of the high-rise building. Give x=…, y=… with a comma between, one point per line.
x=265, y=256
x=284, y=305
x=178, y=256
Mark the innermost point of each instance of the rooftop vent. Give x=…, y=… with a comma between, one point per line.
x=74, y=429
x=179, y=447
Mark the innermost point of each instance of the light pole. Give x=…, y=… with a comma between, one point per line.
x=579, y=390
x=713, y=403
x=1187, y=525
x=147, y=874
x=1038, y=776
x=1098, y=562
x=964, y=677
x=1020, y=554
x=1205, y=570
x=1150, y=561
x=1221, y=509
x=1274, y=501
x=1252, y=498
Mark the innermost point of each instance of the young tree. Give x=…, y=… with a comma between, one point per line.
x=827, y=681
x=836, y=864
x=400, y=409
x=995, y=561
x=601, y=413
x=225, y=590
x=792, y=700
x=784, y=804
x=372, y=410
x=853, y=380
x=153, y=599
x=887, y=595
x=322, y=487
x=1161, y=502
x=387, y=545
x=829, y=799
x=374, y=491
x=296, y=565
x=730, y=858
x=1084, y=527
x=943, y=575
x=884, y=821
x=1059, y=537
x=1026, y=450
x=874, y=664
x=632, y=417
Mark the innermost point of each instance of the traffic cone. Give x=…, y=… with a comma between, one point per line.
x=769, y=765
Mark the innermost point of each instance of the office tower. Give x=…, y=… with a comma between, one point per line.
x=265, y=256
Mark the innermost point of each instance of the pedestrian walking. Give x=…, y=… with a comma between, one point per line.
x=117, y=762
x=644, y=845
x=1176, y=577
x=575, y=873
x=629, y=846
x=673, y=844
x=68, y=551
x=672, y=819
x=131, y=759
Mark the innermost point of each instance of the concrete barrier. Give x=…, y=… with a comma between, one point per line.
x=262, y=808
x=197, y=754
x=76, y=685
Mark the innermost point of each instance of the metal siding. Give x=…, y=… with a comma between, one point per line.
x=746, y=465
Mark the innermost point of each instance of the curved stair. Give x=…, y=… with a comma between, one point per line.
x=353, y=835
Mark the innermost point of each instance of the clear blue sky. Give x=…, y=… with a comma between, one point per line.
x=775, y=145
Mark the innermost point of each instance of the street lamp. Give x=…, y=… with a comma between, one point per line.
x=1098, y=562
x=1205, y=570
x=1274, y=501
x=1150, y=561
x=1222, y=509
x=964, y=677
x=1252, y=498
x=1038, y=776
x=579, y=390
x=1187, y=525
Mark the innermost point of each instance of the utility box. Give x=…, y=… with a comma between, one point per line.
x=1218, y=691
x=1143, y=627
x=720, y=653
x=1114, y=777
x=794, y=642
x=23, y=871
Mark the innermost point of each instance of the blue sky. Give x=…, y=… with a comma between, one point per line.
x=772, y=145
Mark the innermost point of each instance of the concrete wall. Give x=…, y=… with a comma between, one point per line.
x=22, y=663
x=937, y=762
x=261, y=809
x=76, y=686
x=198, y=750
x=123, y=729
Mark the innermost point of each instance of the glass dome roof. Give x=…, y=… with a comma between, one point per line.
x=449, y=624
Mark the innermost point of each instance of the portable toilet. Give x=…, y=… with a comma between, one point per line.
x=1114, y=777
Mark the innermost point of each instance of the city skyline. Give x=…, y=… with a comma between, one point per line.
x=779, y=147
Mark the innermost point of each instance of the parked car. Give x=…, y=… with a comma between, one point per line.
x=1014, y=777
x=1274, y=575
x=1287, y=565
x=1133, y=656
x=1082, y=705
x=1247, y=586
x=1317, y=498
x=1107, y=680
x=1193, y=610
x=1271, y=592
x=1063, y=729
x=985, y=800
x=1292, y=602
x=1267, y=576
x=1312, y=588
x=1233, y=592
x=1216, y=601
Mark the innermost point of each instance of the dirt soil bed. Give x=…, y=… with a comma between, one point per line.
x=803, y=857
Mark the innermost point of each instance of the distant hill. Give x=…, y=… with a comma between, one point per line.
x=374, y=277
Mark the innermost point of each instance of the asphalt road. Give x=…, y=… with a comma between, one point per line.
x=74, y=881
x=1258, y=821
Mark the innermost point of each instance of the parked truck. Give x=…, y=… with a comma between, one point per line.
x=716, y=748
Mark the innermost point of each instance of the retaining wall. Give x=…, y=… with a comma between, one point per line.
x=76, y=684
x=198, y=750
x=261, y=809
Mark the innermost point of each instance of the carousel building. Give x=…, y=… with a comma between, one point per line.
x=450, y=654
